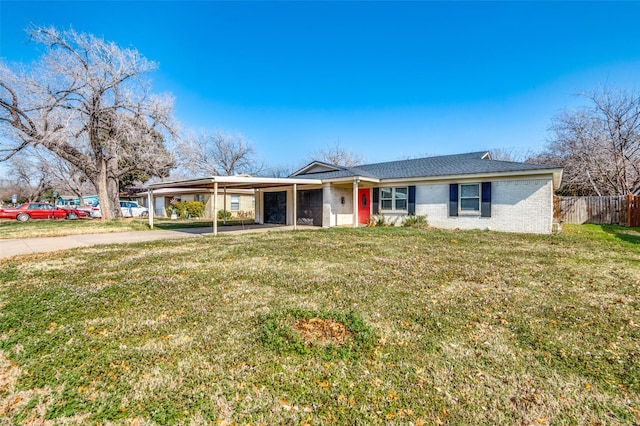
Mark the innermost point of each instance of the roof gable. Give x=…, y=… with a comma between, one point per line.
x=317, y=167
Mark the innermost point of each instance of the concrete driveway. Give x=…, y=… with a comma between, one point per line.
x=15, y=247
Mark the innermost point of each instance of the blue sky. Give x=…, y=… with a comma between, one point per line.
x=387, y=80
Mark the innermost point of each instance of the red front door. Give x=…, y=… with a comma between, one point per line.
x=364, y=205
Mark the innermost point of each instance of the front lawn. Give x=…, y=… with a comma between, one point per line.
x=56, y=228
x=339, y=326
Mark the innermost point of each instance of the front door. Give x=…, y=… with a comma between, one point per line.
x=364, y=205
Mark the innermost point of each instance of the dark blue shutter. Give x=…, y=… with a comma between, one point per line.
x=453, y=199
x=485, y=207
x=412, y=200
x=376, y=200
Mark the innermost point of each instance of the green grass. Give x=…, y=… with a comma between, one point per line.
x=461, y=328
x=56, y=228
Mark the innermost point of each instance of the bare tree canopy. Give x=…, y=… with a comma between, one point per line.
x=336, y=155
x=85, y=101
x=598, y=146
x=280, y=171
x=217, y=154
x=512, y=154
x=30, y=179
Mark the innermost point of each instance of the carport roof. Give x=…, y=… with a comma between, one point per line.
x=247, y=182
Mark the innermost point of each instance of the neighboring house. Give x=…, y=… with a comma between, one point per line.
x=73, y=201
x=237, y=202
x=466, y=191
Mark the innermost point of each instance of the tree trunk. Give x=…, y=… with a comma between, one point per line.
x=108, y=190
x=113, y=189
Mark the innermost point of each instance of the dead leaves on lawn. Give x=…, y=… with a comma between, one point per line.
x=322, y=332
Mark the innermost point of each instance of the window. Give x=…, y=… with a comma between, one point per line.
x=235, y=202
x=401, y=198
x=394, y=198
x=470, y=198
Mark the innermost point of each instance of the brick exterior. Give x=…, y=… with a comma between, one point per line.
x=517, y=205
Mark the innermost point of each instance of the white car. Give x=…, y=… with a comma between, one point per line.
x=128, y=209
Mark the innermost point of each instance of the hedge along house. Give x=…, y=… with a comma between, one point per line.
x=466, y=191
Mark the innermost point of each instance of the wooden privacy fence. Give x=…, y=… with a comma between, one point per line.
x=616, y=210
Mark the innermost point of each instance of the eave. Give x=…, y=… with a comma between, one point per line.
x=556, y=176
x=235, y=182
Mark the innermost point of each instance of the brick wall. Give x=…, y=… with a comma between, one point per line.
x=517, y=205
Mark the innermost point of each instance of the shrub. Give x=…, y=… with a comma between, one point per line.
x=186, y=209
x=415, y=222
x=223, y=213
x=194, y=208
x=381, y=220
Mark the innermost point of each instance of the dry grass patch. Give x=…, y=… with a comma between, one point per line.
x=322, y=332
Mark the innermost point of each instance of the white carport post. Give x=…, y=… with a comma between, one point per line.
x=151, y=203
x=295, y=206
x=355, y=202
x=215, y=208
x=257, y=213
x=224, y=206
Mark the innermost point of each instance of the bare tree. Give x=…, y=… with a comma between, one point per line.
x=217, y=153
x=64, y=177
x=336, y=155
x=511, y=154
x=31, y=179
x=280, y=171
x=85, y=102
x=598, y=146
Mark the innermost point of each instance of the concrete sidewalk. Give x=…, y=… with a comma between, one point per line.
x=22, y=246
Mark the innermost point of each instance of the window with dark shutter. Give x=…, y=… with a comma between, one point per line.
x=453, y=199
x=486, y=200
x=375, y=202
x=412, y=200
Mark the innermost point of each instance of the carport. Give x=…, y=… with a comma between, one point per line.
x=214, y=184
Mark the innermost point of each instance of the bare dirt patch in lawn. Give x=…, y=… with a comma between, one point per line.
x=322, y=332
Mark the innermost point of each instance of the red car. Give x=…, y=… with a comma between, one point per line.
x=28, y=211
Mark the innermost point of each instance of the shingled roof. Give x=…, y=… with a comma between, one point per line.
x=446, y=165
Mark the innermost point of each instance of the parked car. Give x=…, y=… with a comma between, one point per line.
x=128, y=209
x=27, y=211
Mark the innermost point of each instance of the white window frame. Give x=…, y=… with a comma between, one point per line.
x=234, y=205
x=394, y=199
x=468, y=211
